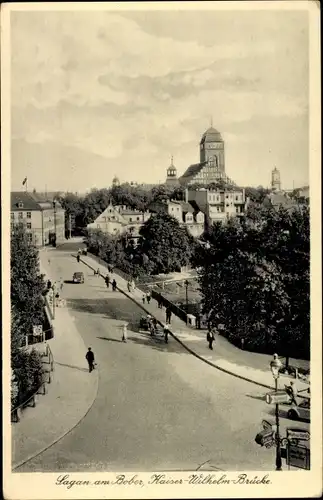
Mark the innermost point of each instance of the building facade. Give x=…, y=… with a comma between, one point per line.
x=211, y=167
x=186, y=214
x=120, y=219
x=219, y=205
x=44, y=221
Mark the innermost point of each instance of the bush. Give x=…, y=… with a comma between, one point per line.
x=29, y=374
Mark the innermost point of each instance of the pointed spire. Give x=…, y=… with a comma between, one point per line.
x=211, y=121
x=172, y=161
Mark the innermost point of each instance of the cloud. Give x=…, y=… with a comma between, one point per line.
x=105, y=84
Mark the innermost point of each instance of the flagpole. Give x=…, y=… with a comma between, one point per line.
x=26, y=184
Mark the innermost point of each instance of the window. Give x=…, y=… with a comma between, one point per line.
x=20, y=215
x=12, y=215
x=28, y=225
x=28, y=215
x=130, y=219
x=138, y=218
x=237, y=197
x=172, y=209
x=227, y=196
x=30, y=237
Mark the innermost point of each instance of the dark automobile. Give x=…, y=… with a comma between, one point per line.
x=78, y=278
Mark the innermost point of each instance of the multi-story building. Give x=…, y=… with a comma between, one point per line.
x=120, y=219
x=44, y=221
x=219, y=205
x=187, y=215
x=211, y=168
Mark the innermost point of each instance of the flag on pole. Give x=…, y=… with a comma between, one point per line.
x=24, y=181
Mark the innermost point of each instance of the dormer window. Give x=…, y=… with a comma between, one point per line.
x=20, y=204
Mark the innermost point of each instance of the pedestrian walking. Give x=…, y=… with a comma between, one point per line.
x=124, y=332
x=210, y=338
x=49, y=261
x=90, y=359
x=168, y=315
x=49, y=284
x=148, y=297
x=129, y=286
x=166, y=332
x=160, y=303
x=61, y=284
x=114, y=285
x=143, y=298
x=133, y=285
x=107, y=280
x=292, y=392
x=78, y=258
x=98, y=272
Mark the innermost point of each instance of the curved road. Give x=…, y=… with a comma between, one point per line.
x=158, y=407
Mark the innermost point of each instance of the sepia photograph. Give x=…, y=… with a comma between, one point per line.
x=161, y=191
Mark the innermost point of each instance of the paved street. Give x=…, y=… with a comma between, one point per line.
x=157, y=407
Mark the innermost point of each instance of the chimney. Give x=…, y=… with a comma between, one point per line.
x=186, y=195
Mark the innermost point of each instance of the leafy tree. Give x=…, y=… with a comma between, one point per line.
x=165, y=243
x=27, y=284
x=254, y=278
x=27, y=310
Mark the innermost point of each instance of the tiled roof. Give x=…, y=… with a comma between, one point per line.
x=28, y=202
x=193, y=170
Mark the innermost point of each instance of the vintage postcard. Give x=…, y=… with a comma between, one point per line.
x=161, y=230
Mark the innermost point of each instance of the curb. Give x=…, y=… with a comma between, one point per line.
x=210, y=363
x=30, y=457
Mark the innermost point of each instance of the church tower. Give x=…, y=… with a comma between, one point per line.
x=212, y=149
x=171, y=179
x=115, y=181
x=275, y=180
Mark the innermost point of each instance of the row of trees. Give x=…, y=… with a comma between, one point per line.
x=164, y=246
x=85, y=209
x=27, y=310
x=255, y=279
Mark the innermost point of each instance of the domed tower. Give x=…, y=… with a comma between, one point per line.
x=171, y=179
x=115, y=181
x=212, y=149
x=275, y=180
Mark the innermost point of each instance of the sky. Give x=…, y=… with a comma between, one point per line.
x=98, y=94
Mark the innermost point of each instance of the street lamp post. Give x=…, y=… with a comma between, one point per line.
x=275, y=365
x=186, y=286
x=54, y=206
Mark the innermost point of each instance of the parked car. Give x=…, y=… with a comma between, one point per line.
x=78, y=278
x=302, y=411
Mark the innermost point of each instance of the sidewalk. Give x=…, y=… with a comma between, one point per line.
x=249, y=366
x=69, y=396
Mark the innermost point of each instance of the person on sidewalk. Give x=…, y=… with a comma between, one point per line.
x=292, y=392
x=129, y=286
x=124, y=332
x=143, y=298
x=98, y=272
x=166, y=332
x=90, y=359
x=148, y=297
x=107, y=280
x=61, y=284
x=114, y=285
x=78, y=258
x=210, y=338
x=168, y=315
x=133, y=285
x=160, y=303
